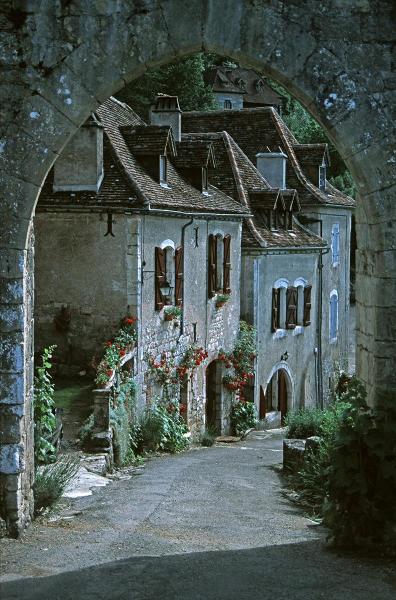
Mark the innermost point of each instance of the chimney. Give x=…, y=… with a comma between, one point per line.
x=80, y=166
x=272, y=166
x=166, y=111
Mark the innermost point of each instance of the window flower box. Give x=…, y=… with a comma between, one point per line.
x=222, y=299
x=172, y=312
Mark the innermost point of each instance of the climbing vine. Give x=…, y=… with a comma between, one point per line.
x=44, y=410
x=240, y=360
x=115, y=349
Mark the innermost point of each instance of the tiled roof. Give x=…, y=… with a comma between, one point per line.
x=127, y=183
x=149, y=140
x=193, y=153
x=311, y=154
x=237, y=175
x=261, y=130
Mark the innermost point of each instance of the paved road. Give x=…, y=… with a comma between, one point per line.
x=207, y=524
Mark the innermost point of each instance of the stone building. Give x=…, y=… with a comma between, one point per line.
x=295, y=255
x=124, y=226
x=237, y=88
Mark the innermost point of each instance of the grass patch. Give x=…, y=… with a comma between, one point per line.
x=52, y=480
x=70, y=391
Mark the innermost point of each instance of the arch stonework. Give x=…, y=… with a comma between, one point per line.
x=61, y=59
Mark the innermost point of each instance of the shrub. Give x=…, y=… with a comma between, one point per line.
x=51, y=481
x=360, y=501
x=243, y=416
x=85, y=431
x=208, y=438
x=121, y=412
x=161, y=429
x=304, y=423
x=45, y=423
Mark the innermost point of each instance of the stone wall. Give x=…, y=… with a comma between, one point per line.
x=60, y=60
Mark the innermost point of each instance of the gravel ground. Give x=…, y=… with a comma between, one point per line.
x=209, y=523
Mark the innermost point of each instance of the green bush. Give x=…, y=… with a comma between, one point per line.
x=360, y=501
x=208, y=438
x=304, y=423
x=86, y=429
x=45, y=423
x=161, y=429
x=243, y=416
x=51, y=481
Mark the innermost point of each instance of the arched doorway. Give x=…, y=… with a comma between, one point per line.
x=213, y=405
x=277, y=398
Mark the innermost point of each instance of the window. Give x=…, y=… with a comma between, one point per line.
x=333, y=315
x=289, y=220
x=162, y=169
x=204, y=179
x=335, y=244
x=300, y=304
x=227, y=104
x=219, y=264
x=322, y=177
x=168, y=273
x=279, y=292
x=291, y=308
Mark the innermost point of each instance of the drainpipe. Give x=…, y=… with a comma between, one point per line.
x=183, y=233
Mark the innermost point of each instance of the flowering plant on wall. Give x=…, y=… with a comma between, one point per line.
x=221, y=299
x=115, y=350
x=172, y=312
x=240, y=360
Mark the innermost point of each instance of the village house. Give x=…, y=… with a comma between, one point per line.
x=295, y=256
x=236, y=88
x=124, y=226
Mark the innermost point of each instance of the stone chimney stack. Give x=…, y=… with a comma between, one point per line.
x=80, y=166
x=166, y=111
x=272, y=166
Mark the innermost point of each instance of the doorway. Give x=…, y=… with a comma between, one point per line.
x=213, y=397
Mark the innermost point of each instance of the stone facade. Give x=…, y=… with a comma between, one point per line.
x=60, y=61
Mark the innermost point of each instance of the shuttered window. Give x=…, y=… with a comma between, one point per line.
x=212, y=265
x=275, y=309
x=291, y=308
x=160, y=277
x=227, y=265
x=307, y=305
x=179, y=276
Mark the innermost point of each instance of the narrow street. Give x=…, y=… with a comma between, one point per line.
x=207, y=524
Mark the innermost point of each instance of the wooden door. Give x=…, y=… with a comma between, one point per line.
x=282, y=394
x=211, y=395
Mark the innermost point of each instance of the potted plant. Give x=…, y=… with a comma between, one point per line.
x=172, y=312
x=221, y=299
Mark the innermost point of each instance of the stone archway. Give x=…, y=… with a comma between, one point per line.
x=61, y=60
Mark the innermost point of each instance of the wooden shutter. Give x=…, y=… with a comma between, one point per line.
x=307, y=305
x=212, y=261
x=227, y=265
x=179, y=276
x=275, y=309
x=160, y=276
x=291, y=307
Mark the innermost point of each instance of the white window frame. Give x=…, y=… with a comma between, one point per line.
x=169, y=246
x=300, y=283
x=335, y=244
x=163, y=170
x=281, y=284
x=333, y=327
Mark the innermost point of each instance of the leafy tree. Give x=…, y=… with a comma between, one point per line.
x=183, y=79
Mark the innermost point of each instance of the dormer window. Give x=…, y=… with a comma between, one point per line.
x=204, y=180
x=274, y=219
x=162, y=169
x=227, y=104
x=322, y=177
x=289, y=220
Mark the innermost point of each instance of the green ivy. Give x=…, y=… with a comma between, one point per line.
x=243, y=416
x=44, y=410
x=121, y=416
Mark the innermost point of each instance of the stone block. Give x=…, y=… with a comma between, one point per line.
x=11, y=352
x=293, y=454
x=11, y=318
x=12, y=459
x=312, y=443
x=11, y=290
x=273, y=420
x=11, y=388
x=10, y=429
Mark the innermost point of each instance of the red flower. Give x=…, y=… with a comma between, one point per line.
x=109, y=372
x=130, y=320
x=183, y=408
x=122, y=352
x=109, y=343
